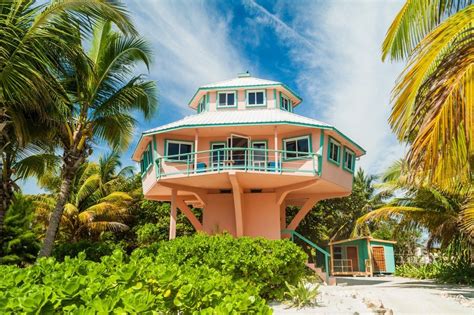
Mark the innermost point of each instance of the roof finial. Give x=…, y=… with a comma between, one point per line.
x=245, y=74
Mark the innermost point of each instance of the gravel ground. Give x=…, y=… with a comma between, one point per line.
x=388, y=295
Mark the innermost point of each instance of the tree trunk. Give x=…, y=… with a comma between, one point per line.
x=70, y=165
x=6, y=192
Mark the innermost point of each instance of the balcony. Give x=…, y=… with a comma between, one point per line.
x=257, y=160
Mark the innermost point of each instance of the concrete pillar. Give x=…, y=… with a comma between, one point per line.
x=173, y=215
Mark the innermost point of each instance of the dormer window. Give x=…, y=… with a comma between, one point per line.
x=256, y=98
x=226, y=99
x=202, y=105
x=286, y=104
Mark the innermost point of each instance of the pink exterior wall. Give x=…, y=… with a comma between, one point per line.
x=219, y=215
x=241, y=99
x=334, y=173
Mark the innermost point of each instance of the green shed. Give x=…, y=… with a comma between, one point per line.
x=363, y=256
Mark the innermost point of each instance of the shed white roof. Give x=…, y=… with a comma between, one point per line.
x=255, y=116
x=241, y=82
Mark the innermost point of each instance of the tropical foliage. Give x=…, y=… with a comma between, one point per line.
x=96, y=203
x=441, y=213
x=212, y=275
x=433, y=101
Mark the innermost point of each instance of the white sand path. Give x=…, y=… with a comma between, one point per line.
x=398, y=296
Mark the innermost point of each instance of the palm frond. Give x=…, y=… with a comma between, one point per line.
x=91, y=184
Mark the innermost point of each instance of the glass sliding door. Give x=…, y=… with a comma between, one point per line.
x=238, y=153
x=259, y=155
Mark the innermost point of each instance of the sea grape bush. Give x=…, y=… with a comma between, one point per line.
x=121, y=284
x=190, y=275
x=266, y=264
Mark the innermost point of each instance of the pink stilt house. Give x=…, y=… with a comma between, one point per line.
x=243, y=158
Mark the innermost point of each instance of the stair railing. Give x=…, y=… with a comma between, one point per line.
x=294, y=234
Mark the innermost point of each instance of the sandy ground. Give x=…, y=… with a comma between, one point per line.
x=388, y=295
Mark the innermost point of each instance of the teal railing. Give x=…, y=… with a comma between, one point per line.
x=294, y=234
x=245, y=159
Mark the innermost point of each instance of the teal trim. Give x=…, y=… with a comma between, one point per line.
x=236, y=100
x=247, y=105
x=320, y=152
x=180, y=141
x=208, y=100
x=251, y=152
x=155, y=155
x=345, y=149
x=322, y=127
x=388, y=255
x=223, y=88
x=310, y=146
x=275, y=97
x=334, y=141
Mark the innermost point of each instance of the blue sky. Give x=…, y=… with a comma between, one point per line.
x=327, y=51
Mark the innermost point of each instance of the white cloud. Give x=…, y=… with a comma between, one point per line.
x=340, y=73
x=192, y=45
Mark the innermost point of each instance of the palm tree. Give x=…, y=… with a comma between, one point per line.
x=102, y=95
x=433, y=100
x=95, y=205
x=444, y=214
x=33, y=38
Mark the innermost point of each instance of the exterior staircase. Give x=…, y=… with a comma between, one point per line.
x=321, y=274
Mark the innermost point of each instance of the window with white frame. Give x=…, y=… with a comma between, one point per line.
x=334, y=151
x=202, y=105
x=226, y=99
x=285, y=103
x=297, y=147
x=349, y=160
x=256, y=98
x=179, y=150
x=147, y=159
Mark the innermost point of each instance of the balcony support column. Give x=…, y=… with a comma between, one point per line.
x=189, y=214
x=237, y=193
x=173, y=215
x=196, y=143
x=307, y=206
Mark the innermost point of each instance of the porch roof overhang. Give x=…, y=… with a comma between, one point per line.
x=371, y=239
x=241, y=118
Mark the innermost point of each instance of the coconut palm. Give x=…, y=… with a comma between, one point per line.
x=33, y=38
x=444, y=214
x=433, y=100
x=103, y=95
x=95, y=205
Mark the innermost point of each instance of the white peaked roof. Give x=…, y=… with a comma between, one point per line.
x=240, y=81
x=240, y=117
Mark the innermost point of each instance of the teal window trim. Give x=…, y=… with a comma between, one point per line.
x=155, y=156
x=320, y=152
x=266, y=150
x=167, y=141
x=211, y=144
x=352, y=156
x=147, y=159
x=202, y=105
x=338, y=144
x=236, y=101
x=255, y=105
x=275, y=98
x=310, y=148
x=290, y=104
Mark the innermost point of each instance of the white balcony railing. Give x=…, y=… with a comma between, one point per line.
x=243, y=159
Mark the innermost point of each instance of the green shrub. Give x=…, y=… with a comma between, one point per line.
x=150, y=233
x=93, y=250
x=264, y=263
x=122, y=284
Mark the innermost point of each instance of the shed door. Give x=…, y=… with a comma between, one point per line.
x=352, y=255
x=379, y=258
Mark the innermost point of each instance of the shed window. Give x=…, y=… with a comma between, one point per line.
x=349, y=160
x=334, y=153
x=178, y=150
x=337, y=252
x=296, y=147
x=255, y=98
x=226, y=99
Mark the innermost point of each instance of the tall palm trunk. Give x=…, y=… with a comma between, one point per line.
x=6, y=189
x=71, y=163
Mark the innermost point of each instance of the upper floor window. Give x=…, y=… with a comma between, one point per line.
x=256, y=98
x=226, y=99
x=286, y=104
x=147, y=159
x=334, y=151
x=178, y=150
x=349, y=160
x=202, y=105
x=297, y=147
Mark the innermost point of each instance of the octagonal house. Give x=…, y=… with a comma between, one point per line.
x=243, y=158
